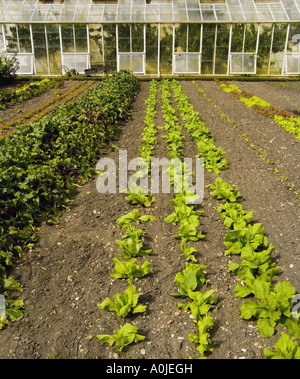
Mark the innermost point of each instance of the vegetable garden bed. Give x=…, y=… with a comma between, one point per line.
x=68, y=273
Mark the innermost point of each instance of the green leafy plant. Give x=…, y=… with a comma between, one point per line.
x=274, y=307
x=234, y=215
x=224, y=191
x=201, y=304
x=124, y=303
x=123, y=337
x=128, y=270
x=134, y=216
x=285, y=348
x=139, y=196
x=188, y=252
x=245, y=240
x=189, y=279
x=203, y=337
x=131, y=243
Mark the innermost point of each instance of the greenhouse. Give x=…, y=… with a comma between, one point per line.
x=152, y=37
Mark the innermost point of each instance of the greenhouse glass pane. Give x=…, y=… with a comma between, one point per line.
x=10, y=32
x=180, y=15
x=96, y=14
x=138, y=15
x=236, y=12
x=81, y=13
x=54, y=14
x=110, y=13
x=165, y=13
x=242, y=64
x=208, y=13
x=68, y=13
x=278, y=12
x=264, y=12
x=222, y=13
x=81, y=44
x=12, y=11
x=132, y=62
x=294, y=38
x=25, y=63
x=194, y=15
x=293, y=64
x=152, y=13
x=40, y=13
x=67, y=35
x=249, y=10
x=291, y=9
x=137, y=36
x=24, y=38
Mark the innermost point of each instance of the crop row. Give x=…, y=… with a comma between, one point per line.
x=262, y=153
x=37, y=113
x=43, y=162
x=131, y=243
x=186, y=218
x=290, y=123
x=12, y=96
x=257, y=271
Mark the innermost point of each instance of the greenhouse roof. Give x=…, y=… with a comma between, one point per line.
x=140, y=11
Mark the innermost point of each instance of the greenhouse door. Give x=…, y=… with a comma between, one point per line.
x=131, y=53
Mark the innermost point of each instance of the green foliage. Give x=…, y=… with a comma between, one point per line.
x=274, y=307
x=285, y=348
x=124, y=303
x=128, y=270
x=254, y=100
x=189, y=279
x=8, y=69
x=131, y=243
x=234, y=215
x=224, y=191
x=10, y=97
x=41, y=164
x=201, y=304
x=139, y=196
x=203, y=337
x=245, y=240
x=123, y=337
x=124, y=221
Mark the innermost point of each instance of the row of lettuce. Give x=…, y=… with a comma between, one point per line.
x=44, y=161
x=270, y=304
x=131, y=243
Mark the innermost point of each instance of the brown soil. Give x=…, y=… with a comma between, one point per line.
x=68, y=272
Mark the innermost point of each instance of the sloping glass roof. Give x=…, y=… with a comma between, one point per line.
x=131, y=11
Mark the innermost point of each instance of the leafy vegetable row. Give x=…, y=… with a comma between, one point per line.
x=290, y=123
x=258, y=268
x=12, y=96
x=187, y=220
x=200, y=134
x=273, y=304
x=262, y=153
x=131, y=244
x=41, y=165
x=40, y=112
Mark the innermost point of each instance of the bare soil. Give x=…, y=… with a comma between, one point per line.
x=68, y=272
